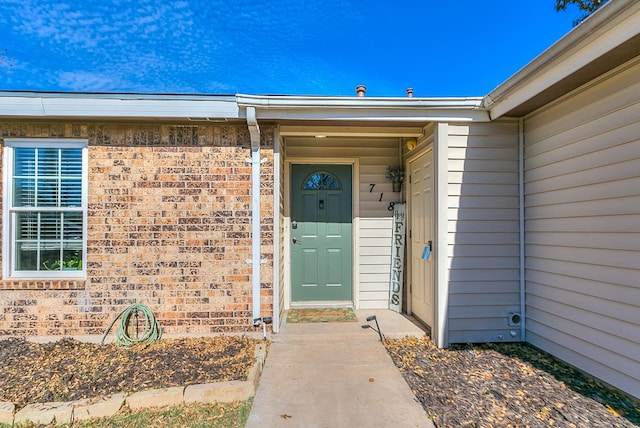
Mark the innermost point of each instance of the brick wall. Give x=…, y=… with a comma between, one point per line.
x=169, y=226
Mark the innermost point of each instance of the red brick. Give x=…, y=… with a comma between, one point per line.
x=168, y=226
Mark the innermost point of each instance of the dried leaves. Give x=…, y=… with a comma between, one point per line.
x=506, y=385
x=69, y=370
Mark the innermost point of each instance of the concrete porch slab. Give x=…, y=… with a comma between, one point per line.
x=392, y=325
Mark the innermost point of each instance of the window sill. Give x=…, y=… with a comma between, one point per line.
x=43, y=284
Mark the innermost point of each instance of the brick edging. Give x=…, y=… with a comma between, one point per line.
x=68, y=412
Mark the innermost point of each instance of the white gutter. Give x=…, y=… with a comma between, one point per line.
x=292, y=101
x=220, y=108
x=196, y=108
x=276, y=231
x=254, y=132
x=523, y=308
x=336, y=109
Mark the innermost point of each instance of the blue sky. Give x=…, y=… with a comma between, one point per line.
x=294, y=47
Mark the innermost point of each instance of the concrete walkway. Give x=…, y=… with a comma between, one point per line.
x=336, y=375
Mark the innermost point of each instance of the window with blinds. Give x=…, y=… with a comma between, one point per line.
x=47, y=208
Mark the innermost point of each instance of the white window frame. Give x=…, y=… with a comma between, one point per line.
x=9, y=214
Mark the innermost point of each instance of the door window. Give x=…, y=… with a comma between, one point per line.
x=321, y=181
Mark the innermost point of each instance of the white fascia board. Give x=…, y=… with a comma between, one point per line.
x=291, y=101
x=117, y=106
x=617, y=22
x=390, y=115
x=365, y=109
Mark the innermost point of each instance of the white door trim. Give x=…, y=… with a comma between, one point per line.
x=355, y=214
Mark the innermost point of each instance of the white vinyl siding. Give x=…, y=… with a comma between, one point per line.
x=582, y=208
x=483, y=232
x=373, y=219
x=375, y=262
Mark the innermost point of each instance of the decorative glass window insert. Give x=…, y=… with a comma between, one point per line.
x=47, y=209
x=321, y=181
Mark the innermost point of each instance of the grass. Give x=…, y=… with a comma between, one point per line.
x=219, y=415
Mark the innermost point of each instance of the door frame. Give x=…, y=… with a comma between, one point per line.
x=355, y=212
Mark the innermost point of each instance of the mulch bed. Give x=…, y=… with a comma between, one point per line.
x=491, y=385
x=297, y=315
x=506, y=385
x=69, y=370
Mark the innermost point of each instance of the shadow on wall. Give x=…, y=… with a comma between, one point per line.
x=484, y=290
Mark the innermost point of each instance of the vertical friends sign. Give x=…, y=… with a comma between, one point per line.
x=397, y=256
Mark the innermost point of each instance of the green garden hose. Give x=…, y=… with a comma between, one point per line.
x=152, y=330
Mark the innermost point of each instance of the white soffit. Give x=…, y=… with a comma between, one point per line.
x=616, y=23
x=350, y=131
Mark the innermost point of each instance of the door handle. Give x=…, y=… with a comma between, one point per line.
x=427, y=251
x=296, y=241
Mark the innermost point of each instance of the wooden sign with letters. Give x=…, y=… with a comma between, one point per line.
x=397, y=256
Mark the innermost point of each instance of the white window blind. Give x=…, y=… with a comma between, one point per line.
x=47, y=208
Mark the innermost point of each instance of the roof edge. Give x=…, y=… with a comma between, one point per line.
x=116, y=95
x=51, y=105
x=365, y=109
x=553, y=62
x=292, y=101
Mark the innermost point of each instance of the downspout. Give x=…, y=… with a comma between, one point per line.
x=276, y=231
x=254, y=132
x=521, y=226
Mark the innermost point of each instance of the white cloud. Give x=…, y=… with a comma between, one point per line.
x=85, y=81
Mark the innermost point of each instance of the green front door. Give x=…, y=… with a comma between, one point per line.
x=321, y=233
